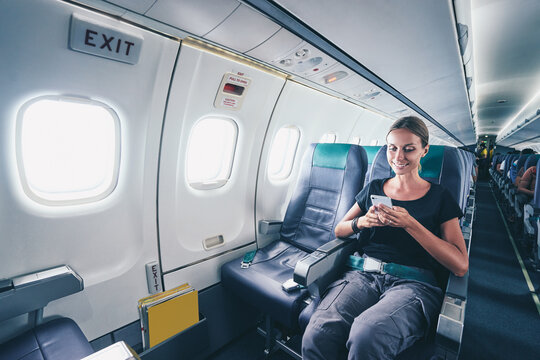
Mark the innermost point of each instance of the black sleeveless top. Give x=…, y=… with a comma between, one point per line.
x=391, y=244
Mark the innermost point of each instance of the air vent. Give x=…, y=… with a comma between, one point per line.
x=302, y=66
x=368, y=94
x=302, y=54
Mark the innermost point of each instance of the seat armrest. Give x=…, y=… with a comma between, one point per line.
x=457, y=286
x=326, y=260
x=267, y=227
x=34, y=291
x=450, y=328
x=452, y=317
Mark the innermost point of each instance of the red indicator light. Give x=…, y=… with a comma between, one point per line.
x=233, y=89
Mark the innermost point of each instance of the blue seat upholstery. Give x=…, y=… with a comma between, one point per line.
x=59, y=339
x=330, y=176
x=371, y=152
x=531, y=161
x=451, y=175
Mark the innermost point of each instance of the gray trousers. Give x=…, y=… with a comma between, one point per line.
x=370, y=316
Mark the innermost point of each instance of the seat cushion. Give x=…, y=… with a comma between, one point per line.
x=59, y=339
x=260, y=283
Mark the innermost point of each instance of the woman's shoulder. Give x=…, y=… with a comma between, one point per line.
x=437, y=189
x=376, y=184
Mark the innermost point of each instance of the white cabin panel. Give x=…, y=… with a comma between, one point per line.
x=314, y=114
x=188, y=214
x=371, y=126
x=107, y=241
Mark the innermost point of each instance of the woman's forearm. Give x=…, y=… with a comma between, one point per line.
x=450, y=255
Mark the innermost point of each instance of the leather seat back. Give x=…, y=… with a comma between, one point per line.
x=331, y=176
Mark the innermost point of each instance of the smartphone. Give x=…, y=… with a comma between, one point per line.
x=379, y=199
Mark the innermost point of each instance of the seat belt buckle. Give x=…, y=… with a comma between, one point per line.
x=373, y=265
x=248, y=259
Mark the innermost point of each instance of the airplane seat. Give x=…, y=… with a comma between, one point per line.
x=500, y=175
x=507, y=184
x=330, y=176
x=465, y=183
x=58, y=339
x=442, y=166
x=531, y=161
x=451, y=175
x=493, y=169
x=532, y=209
x=371, y=152
x=512, y=189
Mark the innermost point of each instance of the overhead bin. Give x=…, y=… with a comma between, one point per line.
x=196, y=17
x=243, y=30
x=279, y=44
x=139, y=6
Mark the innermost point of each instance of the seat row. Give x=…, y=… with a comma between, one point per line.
x=521, y=209
x=286, y=278
x=307, y=251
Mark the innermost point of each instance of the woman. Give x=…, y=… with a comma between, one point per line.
x=373, y=315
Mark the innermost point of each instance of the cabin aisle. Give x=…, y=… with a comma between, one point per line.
x=501, y=321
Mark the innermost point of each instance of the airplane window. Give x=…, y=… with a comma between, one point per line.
x=356, y=140
x=68, y=150
x=283, y=152
x=328, y=138
x=210, y=153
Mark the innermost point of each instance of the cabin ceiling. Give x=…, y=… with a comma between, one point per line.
x=506, y=46
x=411, y=45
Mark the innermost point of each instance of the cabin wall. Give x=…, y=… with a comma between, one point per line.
x=107, y=241
x=152, y=213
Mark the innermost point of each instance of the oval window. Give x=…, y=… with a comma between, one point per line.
x=282, y=153
x=210, y=152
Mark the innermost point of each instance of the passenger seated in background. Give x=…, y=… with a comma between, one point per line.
x=526, y=186
x=500, y=166
x=521, y=171
x=374, y=315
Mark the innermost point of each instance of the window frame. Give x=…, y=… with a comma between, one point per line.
x=211, y=184
x=292, y=155
x=326, y=135
x=22, y=171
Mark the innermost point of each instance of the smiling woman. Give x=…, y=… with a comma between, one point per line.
x=378, y=312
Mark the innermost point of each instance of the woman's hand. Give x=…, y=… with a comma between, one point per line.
x=371, y=219
x=395, y=216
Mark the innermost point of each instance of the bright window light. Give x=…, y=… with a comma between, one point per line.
x=210, y=153
x=282, y=153
x=68, y=150
x=328, y=138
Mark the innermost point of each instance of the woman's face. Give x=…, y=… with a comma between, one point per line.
x=404, y=151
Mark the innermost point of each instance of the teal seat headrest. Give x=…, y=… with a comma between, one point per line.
x=431, y=164
x=371, y=151
x=332, y=156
